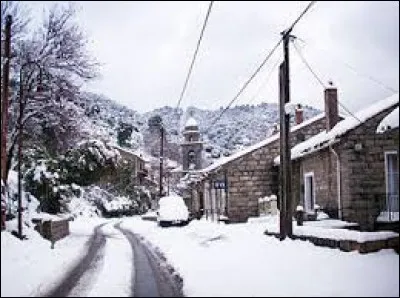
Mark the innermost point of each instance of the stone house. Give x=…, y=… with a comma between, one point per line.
x=140, y=163
x=351, y=168
x=231, y=187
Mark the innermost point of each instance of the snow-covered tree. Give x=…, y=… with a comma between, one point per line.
x=58, y=46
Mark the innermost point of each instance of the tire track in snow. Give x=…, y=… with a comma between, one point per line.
x=114, y=279
x=151, y=275
x=85, y=269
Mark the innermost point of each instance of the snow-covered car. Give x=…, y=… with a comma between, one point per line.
x=172, y=211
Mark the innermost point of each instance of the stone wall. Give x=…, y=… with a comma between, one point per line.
x=363, y=185
x=254, y=175
x=323, y=166
x=364, y=182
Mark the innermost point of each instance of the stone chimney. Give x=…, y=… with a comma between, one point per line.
x=299, y=114
x=331, y=106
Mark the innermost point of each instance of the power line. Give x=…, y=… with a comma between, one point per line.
x=320, y=81
x=258, y=91
x=268, y=77
x=261, y=65
x=350, y=113
x=370, y=78
x=308, y=65
x=195, y=54
x=245, y=84
x=301, y=15
x=352, y=68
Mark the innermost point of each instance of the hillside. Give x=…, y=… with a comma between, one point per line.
x=240, y=126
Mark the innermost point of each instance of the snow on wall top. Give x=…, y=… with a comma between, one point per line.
x=138, y=153
x=191, y=122
x=324, y=138
x=389, y=122
x=259, y=145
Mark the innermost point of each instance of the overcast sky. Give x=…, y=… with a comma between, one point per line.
x=146, y=47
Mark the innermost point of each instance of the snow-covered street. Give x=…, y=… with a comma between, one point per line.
x=199, y=149
x=213, y=260
x=97, y=259
x=238, y=260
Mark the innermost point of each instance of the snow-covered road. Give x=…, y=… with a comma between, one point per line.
x=129, y=259
x=108, y=251
x=116, y=264
x=98, y=259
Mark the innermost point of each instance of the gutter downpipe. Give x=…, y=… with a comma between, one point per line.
x=338, y=181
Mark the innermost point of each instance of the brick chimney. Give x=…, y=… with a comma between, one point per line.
x=299, y=114
x=331, y=107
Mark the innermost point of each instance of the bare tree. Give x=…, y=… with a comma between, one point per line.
x=59, y=47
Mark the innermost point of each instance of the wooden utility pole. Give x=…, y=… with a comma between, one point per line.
x=282, y=176
x=285, y=158
x=161, y=159
x=4, y=99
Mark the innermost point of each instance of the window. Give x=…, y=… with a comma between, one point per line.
x=392, y=181
x=309, y=191
x=191, y=156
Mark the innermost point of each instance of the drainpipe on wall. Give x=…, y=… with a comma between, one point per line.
x=338, y=179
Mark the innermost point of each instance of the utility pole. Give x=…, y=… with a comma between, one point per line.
x=4, y=114
x=4, y=99
x=286, y=228
x=161, y=159
x=168, y=177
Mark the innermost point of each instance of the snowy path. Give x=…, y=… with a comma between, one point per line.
x=117, y=264
x=84, y=268
x=103, y=271
x=152, y=278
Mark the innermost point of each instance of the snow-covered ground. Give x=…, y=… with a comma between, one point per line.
x=114, y=279
x=238, y=260
x=31, y=267
x=213, y=259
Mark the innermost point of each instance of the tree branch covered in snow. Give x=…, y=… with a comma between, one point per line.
x=58, y=46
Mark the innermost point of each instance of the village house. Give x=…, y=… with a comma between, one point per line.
x=231, y=187
x=351, y=169
x=139, y=162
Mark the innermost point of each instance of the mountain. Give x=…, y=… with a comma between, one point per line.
x=238, y=127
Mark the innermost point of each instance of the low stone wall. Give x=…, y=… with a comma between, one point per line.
x=347, y=245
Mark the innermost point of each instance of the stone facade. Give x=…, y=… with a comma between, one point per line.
x=249, y=177
x=361, y=153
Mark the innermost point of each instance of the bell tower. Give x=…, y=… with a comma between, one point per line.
x=192, y=146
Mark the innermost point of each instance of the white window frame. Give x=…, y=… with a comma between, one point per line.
x=386, y=175
x=306, y=207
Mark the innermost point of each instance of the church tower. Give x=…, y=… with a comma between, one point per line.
x=192, y=146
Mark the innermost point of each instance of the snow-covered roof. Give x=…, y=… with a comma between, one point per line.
x=177, y=170
x=324, y=138
x=139, y=154
x=389, y=122
x=191, y=122
x=259, y=145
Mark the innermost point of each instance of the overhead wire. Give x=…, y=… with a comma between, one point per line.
x=244, y=85
x=354, y=70
x=195, y=54
x=267, y=79
x=303, y=59
x=260, y=66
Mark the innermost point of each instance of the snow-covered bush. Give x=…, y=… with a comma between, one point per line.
x=89, y=162
x=52, y=180
x=43, y=180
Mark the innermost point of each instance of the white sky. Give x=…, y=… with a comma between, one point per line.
x=146, y=47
